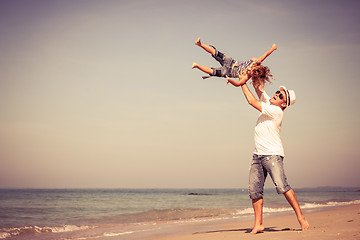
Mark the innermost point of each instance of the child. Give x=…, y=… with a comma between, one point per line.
x=231, y=68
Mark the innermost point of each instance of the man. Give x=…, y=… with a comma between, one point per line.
x=268, y=155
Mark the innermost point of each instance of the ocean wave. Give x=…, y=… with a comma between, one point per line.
x=209, y=214
x=308, y=206
x=329, y=204
x=116, y=234
x=266, y=210
x=31, y=230
x=174, y=214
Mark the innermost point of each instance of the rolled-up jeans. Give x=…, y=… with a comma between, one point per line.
x=260, y=167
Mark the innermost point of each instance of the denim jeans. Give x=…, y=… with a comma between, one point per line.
x=260, y=167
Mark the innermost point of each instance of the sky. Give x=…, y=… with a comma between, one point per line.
x=101, y=94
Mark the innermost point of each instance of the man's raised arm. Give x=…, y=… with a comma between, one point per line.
x=251, y=98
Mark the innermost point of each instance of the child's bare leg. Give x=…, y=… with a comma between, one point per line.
x=202, y=68
x=207, y=48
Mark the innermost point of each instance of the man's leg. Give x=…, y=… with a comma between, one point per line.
x=257, y=178
x=258, y=211
x=205, y=47
x=291, y=198
x=274, y=165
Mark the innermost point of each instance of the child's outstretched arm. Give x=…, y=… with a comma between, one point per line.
x=242, y=80
x=266, y=54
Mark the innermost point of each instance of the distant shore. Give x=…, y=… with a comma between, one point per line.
x=337, y=223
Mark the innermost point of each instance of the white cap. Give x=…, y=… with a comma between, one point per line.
x=290, y=94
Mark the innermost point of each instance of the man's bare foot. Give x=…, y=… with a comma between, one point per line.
x=194, y=65
x=257, y=229
x=304, y=224
x=198, y=42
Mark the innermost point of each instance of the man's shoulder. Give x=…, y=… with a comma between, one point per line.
x=271, y=110
x=265, y=98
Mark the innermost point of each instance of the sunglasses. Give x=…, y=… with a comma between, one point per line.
x=281, y=96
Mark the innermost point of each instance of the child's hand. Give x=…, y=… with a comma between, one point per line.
x=228, y=80
x=274, y=46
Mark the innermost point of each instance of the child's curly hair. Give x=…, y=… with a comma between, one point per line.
x=261, y=75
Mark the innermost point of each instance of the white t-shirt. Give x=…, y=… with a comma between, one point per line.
x=267, y=130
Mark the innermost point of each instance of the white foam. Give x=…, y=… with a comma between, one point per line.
x=4, y=235
x=11, y=232
x=116, y=234
x=248, y=211
x=66, y=228
x=329, y=204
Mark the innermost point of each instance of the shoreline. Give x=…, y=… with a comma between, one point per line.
x=336, y=223
x=342, y=222
x=193, y=221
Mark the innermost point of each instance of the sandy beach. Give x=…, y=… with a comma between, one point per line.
x=337, y=223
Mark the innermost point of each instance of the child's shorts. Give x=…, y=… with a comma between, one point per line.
x=225, y=62
x=227, y=65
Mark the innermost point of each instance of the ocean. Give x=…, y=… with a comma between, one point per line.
x=83, y=214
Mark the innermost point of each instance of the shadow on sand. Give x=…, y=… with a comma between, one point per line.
x=248, y=230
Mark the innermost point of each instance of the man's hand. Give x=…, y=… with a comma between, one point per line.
x=249, y=68
x=245, y=74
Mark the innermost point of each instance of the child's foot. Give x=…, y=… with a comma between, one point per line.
x=194, y=65
x=257, y=229
x=198, y=42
